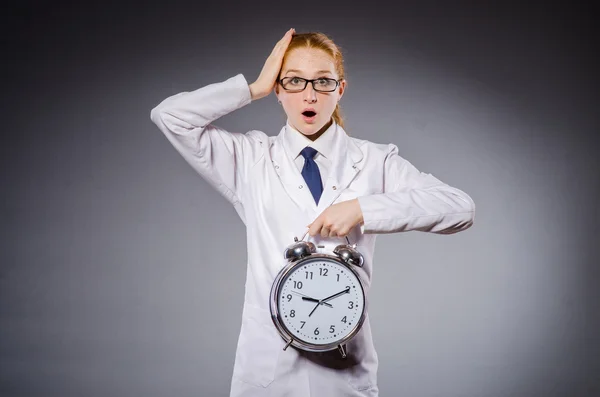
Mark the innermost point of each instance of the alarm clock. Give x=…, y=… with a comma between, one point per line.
x=317, y=300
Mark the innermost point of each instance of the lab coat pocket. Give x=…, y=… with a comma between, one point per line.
x=362, y=375
x=258, y=348
x=355, y=190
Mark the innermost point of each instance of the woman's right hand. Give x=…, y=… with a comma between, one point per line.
x=265, y=83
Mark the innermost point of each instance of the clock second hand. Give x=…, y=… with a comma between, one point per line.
x=315, y=308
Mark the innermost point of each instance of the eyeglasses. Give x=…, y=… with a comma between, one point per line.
x=298, y=84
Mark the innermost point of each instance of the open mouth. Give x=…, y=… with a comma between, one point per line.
x=309, y=115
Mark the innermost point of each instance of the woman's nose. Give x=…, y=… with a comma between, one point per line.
x=310, y=94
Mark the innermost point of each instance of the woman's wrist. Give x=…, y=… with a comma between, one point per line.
x=253, y=92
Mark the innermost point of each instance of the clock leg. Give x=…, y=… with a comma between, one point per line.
x=288, y=344
x=342, y=349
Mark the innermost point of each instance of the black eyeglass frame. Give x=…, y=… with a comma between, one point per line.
x=306, y=81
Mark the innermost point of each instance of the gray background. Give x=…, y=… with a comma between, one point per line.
x=122, y=271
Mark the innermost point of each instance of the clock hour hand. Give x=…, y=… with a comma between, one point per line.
x=306, y=298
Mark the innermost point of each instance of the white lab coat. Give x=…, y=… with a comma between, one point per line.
x=255, y=174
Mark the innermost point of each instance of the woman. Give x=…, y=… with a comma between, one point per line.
x=310, y=178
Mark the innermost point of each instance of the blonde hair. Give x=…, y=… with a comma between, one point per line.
x=320, y=41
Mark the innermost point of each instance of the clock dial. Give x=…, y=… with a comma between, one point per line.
x=321, y=301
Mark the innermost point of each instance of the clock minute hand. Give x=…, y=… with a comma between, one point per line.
x=322, y=301
x=335, y=295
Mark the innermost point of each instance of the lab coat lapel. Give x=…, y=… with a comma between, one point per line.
x=292, y=180
x=347, y=163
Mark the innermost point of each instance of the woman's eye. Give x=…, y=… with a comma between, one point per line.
x=295, y=80
x=322, y=81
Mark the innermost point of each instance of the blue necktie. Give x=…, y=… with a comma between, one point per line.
x=311, y=173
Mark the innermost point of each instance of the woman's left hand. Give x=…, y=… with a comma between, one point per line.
x=337, y=220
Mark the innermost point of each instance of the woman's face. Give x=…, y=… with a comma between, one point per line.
x=309, y=64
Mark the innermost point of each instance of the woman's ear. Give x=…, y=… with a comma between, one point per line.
x=342, y=88
x=276, y=90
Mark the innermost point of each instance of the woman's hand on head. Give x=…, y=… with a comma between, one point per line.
x=265, y=82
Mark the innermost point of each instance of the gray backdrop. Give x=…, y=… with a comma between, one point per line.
x=122, y=271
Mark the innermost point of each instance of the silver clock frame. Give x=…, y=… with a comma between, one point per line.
x=298, y=255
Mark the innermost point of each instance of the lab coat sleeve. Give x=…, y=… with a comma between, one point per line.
x=219, y=156
x=414, y=200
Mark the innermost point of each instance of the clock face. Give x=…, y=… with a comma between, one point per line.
x=321, y=301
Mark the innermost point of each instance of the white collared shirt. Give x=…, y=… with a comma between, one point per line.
x=295, y=141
